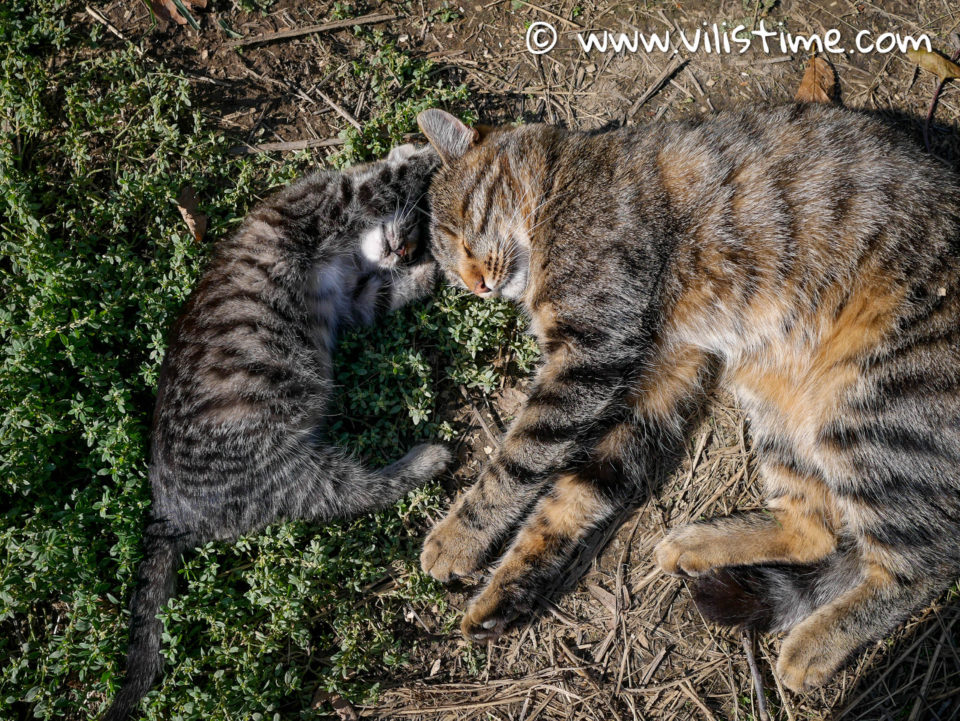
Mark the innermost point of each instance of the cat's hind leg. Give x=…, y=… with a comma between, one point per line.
x=798, y=527
x=819, y=645
x=334, y=485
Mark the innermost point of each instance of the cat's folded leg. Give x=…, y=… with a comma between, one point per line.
x=819, y=645
x=421, y=464
x=796, y=528
x=412, y=283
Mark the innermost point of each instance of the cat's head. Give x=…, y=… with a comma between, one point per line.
x=482, y=204
x=395, y=195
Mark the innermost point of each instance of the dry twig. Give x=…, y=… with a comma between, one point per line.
x=747, y=638
x=309, y=29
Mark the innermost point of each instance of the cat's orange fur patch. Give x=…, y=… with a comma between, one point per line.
x=610, y=447
x=779, y=480
x=543, y=320
x=470, y=272
x=805, y=534
x=671, y=376
x=571, y=505
x=806, y=381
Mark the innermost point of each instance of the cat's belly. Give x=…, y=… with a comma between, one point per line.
x=790, y=405
x=343, y=293
x=331, y=298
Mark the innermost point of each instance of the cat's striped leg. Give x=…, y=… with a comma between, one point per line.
x=412, y=283
x=568, y=395
x=550, y=535
x=819, y=645
x=799, y=526
x=330, y=484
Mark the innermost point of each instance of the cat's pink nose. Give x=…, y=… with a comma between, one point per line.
x=401, y=250
x=480, y=288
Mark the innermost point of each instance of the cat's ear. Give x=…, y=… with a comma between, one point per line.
x=401, y=153
x=451, y=138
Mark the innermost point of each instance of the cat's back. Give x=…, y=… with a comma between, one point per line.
x=241, y=331
x=813, y=181
x=805, y=152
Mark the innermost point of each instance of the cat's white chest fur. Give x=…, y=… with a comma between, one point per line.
x=372, y=244
x=332, y=297
x=345, y=292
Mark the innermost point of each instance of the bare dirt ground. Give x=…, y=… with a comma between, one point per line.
x=622, y=641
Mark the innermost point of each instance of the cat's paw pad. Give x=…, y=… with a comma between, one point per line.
x=451, y=551
x=489, y=614
x=682, y=554
x=806, y=662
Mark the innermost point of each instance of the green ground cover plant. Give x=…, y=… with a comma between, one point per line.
x=95, y=260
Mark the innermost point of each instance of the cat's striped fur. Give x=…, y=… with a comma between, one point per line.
x=809, y=252
x=245, y=384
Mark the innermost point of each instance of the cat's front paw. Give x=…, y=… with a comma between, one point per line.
x=685, y=551
x=808, y=659
x=489, y=614
x=424, y=275
x=452, y=550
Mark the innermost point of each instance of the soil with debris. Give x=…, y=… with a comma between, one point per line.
x=617, y=639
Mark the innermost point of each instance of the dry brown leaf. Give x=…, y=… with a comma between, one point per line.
x=818, y=84
x=343, y=707
x=934, y=63
x=166, y=10
x=195, y=220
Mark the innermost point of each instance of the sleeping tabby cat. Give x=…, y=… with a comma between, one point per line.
x=237, y=437
x=810, y=253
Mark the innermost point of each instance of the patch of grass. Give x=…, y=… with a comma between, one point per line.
x=96, y=262
x=445, y=12
x=254, y=5
x=401, y=87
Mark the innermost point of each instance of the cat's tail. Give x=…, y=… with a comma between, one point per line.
x=155, y=586
x=774, y=597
